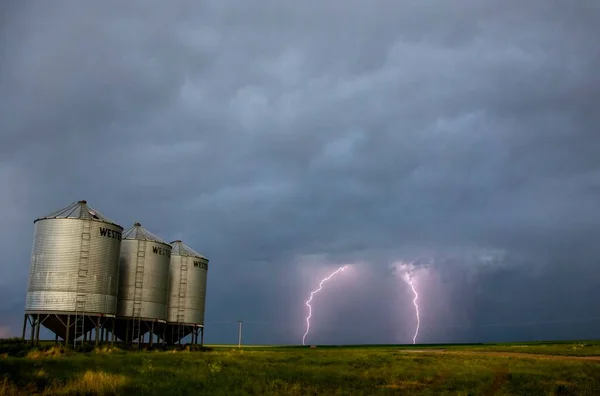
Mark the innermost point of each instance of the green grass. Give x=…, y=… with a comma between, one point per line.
x=571, y=348
x=559, y=348
x=500, y=369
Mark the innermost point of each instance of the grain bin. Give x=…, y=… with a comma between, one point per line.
x=143, y=275
x=187, y=293
x=143, y=283
x=187, y=285
x=74, y=268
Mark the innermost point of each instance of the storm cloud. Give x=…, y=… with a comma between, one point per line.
x=283, y=139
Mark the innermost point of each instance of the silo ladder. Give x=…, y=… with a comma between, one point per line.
x=82, y=275
x=181, y=304
x=138, y=293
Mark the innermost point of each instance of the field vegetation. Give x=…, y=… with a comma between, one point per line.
x=566, y=368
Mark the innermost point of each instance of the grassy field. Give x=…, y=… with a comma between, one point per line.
x=567, y=368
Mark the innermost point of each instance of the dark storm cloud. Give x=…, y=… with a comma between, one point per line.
x=265, y=131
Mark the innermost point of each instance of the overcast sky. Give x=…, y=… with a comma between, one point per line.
x=283, y=139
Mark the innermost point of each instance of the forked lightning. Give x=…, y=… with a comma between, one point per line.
x=311, y=297
x=412, y=286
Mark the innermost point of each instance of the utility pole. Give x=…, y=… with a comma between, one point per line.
x=240, y=333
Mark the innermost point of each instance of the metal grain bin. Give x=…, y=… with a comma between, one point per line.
x=143, y=275
x=187, y=285
x=74, y=262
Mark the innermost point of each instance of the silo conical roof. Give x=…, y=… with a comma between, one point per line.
x=181, y=249
x=140, y=233
x=79, y=210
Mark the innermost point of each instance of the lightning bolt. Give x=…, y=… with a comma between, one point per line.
x=311, y=297
x=412, y=286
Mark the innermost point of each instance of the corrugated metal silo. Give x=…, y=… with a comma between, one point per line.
x=74, y=265
x=74, y=262
x=143, y=275
x=187, y=285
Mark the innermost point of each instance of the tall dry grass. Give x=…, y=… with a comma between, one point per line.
x=93, y=383
x=53, y=351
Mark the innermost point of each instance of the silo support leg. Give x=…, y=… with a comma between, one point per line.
x=152, y=334
x=68, y=330
x=37, y=330
x=97, y=331
x=113, y=332
x=32, y=328
x=25, y=319
x=202, y=336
